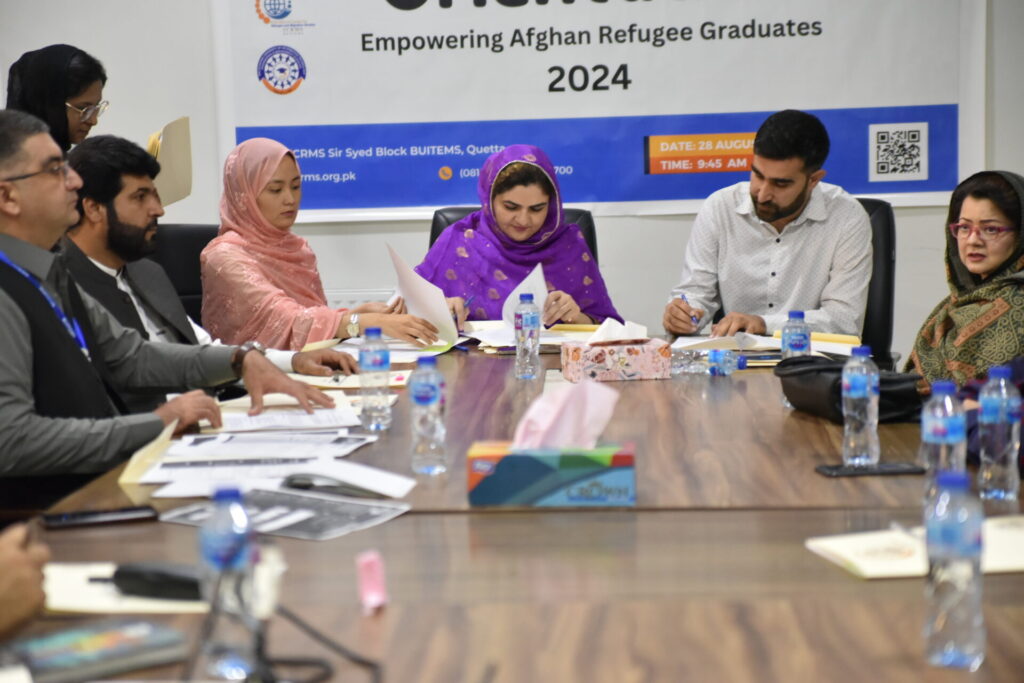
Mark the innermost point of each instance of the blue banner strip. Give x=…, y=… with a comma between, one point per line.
x=599, y=159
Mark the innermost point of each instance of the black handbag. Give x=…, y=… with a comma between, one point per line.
x=814, y=385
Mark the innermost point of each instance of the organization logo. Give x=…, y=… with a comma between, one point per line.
x=281, y=69
x=273, y=9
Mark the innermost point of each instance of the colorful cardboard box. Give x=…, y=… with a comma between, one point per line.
x=601, y=477
x=616, y=362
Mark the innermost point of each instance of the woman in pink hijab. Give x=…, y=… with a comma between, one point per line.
x=260, y=281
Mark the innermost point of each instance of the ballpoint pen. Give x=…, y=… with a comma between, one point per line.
x=693, y=318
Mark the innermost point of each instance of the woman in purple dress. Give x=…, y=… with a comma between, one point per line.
x=481, y=258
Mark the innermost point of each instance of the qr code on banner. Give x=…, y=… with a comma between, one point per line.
x=898, y=151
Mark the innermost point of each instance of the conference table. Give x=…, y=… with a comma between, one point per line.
x=706, y=579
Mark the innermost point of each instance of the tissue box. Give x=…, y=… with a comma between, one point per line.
x=499, y=476
x=650, y=360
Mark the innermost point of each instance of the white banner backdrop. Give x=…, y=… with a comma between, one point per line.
x=644, y=105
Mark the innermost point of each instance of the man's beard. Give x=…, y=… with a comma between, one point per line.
x=770, y=212
x=129, y=241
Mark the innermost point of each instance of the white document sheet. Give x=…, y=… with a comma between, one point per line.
x=425, y=300
x=533, y=283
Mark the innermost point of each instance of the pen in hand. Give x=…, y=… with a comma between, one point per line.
x=693, y=318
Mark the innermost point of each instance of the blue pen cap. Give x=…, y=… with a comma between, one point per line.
x=372, y=333
x=526, y=298
x=861, y=351
x=796, y=315
x=953, y=480
x=426, y=362
x=1000, y=372
x=942, y=387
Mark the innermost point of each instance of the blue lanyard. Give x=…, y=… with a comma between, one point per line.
x=70, y=324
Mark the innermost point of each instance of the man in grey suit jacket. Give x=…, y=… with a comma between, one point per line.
x=105, y=252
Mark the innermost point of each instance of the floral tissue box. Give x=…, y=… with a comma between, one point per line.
x=615, y=362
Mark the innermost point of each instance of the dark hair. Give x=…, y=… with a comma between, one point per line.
x=791, y=133
x=101, y=160
x=521, y=173
x=83, y=71
x=990, y=185
x=16, y=127
x=41, y=81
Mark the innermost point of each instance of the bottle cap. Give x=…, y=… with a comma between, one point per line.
x=953, y=480
x=1000, y=372
x=942, y=387
x=741, y=363
x=372, y=333
x=526, y=298
x=426, y=362
x=229, y=493
x=862, y=351
x=796, y=315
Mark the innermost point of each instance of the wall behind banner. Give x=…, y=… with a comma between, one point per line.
x=158, y=54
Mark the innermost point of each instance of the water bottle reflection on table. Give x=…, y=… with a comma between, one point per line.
x=954, y=629
x=999, y=417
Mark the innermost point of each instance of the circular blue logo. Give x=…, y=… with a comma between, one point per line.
x=281, y=69
x=277, y=9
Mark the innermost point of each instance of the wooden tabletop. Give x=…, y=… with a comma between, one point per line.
x=699, y=595
x=707, y=580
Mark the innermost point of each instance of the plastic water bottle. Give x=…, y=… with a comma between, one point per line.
x=999, y=435
x=723, y=362
x=426, y=391
x=943, y=435
x=228, y=652
x=954, y=631
x=374, y=377
x=796, y=336
x=527, y=338
x=860, y=410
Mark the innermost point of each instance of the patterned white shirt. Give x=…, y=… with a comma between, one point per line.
x=820, y=263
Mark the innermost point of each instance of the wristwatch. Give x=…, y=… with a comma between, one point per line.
x=239, y=355
x=353, y=325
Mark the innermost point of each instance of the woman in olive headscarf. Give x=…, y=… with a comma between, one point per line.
x=63, y=86
x=981, y=322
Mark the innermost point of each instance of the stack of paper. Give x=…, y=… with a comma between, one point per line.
x=261, y=451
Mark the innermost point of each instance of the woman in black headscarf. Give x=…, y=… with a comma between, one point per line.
x=63, y=86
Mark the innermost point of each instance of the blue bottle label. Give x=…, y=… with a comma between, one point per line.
x=424, y=393
x=796, y=341
x=993, y=410
x=374, y=360
x=855, y=386
x=943, y=430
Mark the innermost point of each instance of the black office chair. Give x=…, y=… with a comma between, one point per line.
x=877, y=332
x=177, y=250
x=450, y=214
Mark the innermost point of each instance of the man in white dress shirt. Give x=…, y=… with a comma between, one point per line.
x=782, y=241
